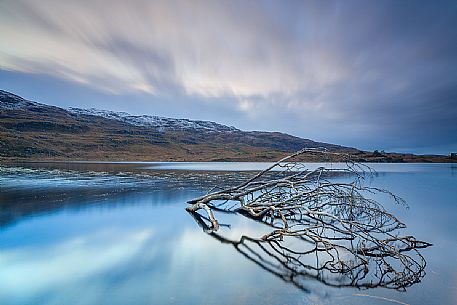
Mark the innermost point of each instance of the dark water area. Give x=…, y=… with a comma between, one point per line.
x=92, y=233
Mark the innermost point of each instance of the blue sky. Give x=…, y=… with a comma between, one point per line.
x=369, y=74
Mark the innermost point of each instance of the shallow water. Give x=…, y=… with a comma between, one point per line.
x=88, y=233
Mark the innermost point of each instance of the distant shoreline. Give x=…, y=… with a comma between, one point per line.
x=365, y=157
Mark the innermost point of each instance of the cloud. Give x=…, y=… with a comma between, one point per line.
x=361, y=67
x=205, y=48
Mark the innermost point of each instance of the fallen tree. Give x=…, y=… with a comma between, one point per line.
x=328, y=213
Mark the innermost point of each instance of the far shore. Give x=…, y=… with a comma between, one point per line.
x=365, y=157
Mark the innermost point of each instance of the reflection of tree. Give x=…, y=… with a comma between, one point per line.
x=322, y=228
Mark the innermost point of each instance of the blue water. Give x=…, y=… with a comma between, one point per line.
x=84, y=233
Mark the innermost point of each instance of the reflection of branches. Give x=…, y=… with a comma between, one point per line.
x=296, y=261
x=339, y=223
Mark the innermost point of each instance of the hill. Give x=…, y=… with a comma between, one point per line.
x=35, y=131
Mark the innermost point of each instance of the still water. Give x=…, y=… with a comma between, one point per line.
x=117, y=233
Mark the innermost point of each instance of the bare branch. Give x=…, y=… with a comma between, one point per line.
x=341, y=223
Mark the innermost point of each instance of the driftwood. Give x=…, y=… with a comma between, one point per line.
x=318, y=213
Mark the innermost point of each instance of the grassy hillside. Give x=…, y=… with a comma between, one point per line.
x=34, y=131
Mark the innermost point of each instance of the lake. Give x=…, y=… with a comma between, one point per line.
x=118, y=233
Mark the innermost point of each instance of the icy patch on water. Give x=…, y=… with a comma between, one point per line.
x=20, y=177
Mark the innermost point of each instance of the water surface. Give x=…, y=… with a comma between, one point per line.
x=91, y=233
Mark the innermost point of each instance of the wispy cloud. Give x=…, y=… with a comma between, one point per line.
x=201, y=47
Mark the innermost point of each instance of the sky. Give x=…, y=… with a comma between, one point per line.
x=367, y=74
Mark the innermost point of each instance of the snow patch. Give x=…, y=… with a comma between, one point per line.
x=9, y=101
x=161, y=123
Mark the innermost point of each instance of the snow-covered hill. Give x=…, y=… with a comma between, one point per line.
x=157, y=122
